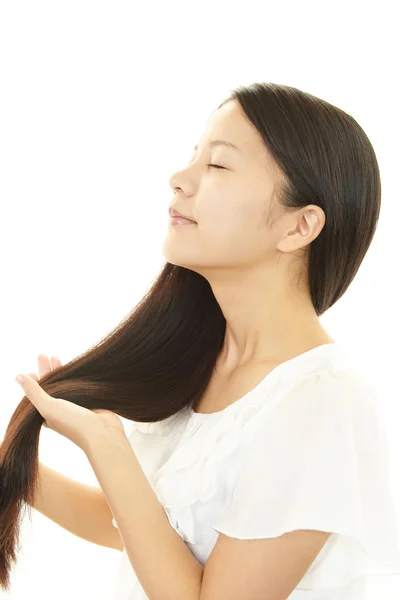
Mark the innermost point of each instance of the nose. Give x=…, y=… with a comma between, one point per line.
x=173, y=183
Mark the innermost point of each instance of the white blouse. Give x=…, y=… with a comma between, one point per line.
x=304, y=449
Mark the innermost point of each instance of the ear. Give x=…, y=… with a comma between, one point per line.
x=308, y=225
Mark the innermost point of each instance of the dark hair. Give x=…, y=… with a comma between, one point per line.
x=160, y=358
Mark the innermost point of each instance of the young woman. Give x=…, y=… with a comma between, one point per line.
x=256, y=465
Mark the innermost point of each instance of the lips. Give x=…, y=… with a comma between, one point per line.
x=175, y=213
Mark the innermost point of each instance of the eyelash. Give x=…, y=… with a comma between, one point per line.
x=216, y=166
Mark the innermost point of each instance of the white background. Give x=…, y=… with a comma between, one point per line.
x=100, y=102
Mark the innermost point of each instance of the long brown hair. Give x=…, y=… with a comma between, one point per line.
x=160, y=358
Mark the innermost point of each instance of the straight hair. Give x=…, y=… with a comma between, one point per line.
x=159, y=359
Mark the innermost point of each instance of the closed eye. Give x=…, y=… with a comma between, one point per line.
x=216, y=166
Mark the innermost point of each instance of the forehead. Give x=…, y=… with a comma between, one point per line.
x=229, y=123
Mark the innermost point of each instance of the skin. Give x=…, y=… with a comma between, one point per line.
x=261, y=292
x=267, y=315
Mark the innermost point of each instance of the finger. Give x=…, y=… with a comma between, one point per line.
x=39, y=398
x=34, y=376
x=47, y=365
x=44, y=365
x=55, y=362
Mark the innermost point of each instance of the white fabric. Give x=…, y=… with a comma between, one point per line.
x=305, y=449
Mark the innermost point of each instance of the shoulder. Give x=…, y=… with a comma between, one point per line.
x=321, y=409
x=331, y=390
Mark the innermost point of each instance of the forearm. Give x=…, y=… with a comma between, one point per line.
x=164, y=565
x=80, y=509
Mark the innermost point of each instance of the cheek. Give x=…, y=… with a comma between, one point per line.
x=230, y=212
x=223, y=206
x=231, y=231
x=221, y=222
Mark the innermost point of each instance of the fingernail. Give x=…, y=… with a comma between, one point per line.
x=20, y=378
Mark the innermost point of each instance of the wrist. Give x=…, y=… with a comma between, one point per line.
x=104, y=441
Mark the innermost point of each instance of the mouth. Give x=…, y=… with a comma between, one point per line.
x=174, y=213
x=181, y=221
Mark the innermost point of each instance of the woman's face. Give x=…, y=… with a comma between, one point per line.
x=229, y=204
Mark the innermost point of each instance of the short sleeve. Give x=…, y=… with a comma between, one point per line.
x=318, y=460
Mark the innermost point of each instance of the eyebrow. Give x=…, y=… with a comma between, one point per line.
x=220, y=143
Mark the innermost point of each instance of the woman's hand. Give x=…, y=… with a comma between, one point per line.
x=74, y=422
